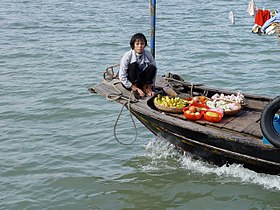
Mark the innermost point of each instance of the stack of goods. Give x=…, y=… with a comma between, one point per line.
x=194, y=111
x=170, y=104
x=229, y=104
x=213, y=109
x=194, y=108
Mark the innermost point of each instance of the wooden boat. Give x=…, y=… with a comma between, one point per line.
x=235, y=139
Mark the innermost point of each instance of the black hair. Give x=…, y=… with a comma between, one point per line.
x=135, y=37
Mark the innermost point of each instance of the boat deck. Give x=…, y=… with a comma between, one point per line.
x=245, y=121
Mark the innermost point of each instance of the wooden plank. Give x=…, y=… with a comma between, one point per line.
x=254, y=129
x=113, y=88
x=223, y=122
x=243, y=121
x=103, y=89
x=256, y=104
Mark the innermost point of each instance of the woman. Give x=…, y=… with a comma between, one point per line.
x=138, y=67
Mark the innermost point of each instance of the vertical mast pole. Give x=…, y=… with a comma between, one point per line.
x=153, y=26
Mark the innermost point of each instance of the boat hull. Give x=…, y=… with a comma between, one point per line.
x=235, y=139
x=186, y=140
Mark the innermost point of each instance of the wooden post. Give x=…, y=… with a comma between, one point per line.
x=153, y=26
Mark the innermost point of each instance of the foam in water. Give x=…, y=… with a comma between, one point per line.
x=160, y=149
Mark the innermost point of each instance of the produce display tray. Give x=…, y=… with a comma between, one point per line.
x=169, y=109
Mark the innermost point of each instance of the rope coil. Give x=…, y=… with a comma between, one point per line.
x=129, y=100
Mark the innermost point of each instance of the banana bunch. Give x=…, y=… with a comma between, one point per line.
x=172, y=102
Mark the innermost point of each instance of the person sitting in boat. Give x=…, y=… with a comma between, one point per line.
x=138, y=67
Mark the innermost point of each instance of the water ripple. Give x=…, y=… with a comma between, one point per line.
x=57, y=142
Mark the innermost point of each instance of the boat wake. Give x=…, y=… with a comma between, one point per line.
x=164, y=156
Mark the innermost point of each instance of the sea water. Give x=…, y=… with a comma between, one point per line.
x=57, y=148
